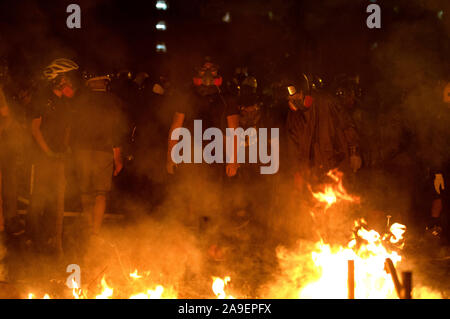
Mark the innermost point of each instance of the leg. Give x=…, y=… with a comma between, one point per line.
x=10, y=194
x=88, y=202
x=101, y=176
x=99, y=211
x=2, y=219
x=60, y=191
x=39, y=197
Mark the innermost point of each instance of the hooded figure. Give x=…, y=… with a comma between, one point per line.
x=321, y=135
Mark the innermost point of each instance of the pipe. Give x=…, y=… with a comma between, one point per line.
x=407, y=284
x=391, y=269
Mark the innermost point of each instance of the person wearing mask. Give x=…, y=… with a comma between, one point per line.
x=50, y=127
x=98, y=131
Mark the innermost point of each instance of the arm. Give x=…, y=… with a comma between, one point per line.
x=118, y=161
x=231, y=168
x=177, y=122
x=37, y=134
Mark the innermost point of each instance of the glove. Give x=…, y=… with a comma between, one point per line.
x=355, y=163
x=439, y=183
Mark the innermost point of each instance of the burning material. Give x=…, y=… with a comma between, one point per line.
x=334, y=192
x=314, y=270
x=107, y=292
x=218, y=287
x=324, y=270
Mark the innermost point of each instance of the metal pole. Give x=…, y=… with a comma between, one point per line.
x=351, y=279
x=407, y=284
x=391, y=269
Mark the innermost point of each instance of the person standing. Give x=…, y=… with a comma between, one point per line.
x=50, y=127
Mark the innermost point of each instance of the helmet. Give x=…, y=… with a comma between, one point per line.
x=58, y=67
x=99, y=83
x=300, y=84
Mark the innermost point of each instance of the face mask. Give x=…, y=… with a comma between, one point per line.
x=208, y=76
x=302, y=105
x=68, y=91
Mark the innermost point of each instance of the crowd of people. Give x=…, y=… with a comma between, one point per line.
x=101, y=123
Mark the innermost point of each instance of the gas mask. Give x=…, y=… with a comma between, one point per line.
x=207, y=79
x=298, y=101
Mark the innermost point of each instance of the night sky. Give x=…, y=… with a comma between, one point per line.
x=325, y=37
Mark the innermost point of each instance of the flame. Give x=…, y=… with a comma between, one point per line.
x=218, y=287
x=397, y=231
x=107, y=292
x=334, y=192
x=150, y=294
x=77, y=293
x=321, y=271
x=135, y=275
x=31, y=296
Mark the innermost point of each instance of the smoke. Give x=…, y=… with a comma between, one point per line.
x=3, y=268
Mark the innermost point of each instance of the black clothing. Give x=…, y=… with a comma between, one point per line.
x=211, y=109
x=55, y=113
x=98, y=123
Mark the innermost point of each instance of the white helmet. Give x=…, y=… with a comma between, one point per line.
x=59, y=66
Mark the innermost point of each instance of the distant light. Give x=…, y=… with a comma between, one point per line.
x=440, y=14
x=270, y=14
x=226, y=18
x=161, y=25
x=161, y=5
x=161, y=47
x=374, y=46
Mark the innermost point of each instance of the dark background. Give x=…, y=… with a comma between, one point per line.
x=272, y=37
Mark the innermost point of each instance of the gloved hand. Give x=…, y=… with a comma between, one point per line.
x=439, y=183
x=355, y=163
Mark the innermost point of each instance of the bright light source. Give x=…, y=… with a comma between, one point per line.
x=161, y=47
x=161, y=5
x=226, y=18
x=161, y=25
x=440, y=14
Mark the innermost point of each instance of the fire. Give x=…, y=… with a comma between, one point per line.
x=77, y=293
x=135, y=275
x=334, y=192
x=107, y=292
x=218, y=287
x=314, y=270
x=150, y=294
x=31, y=296
x=320, y=270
